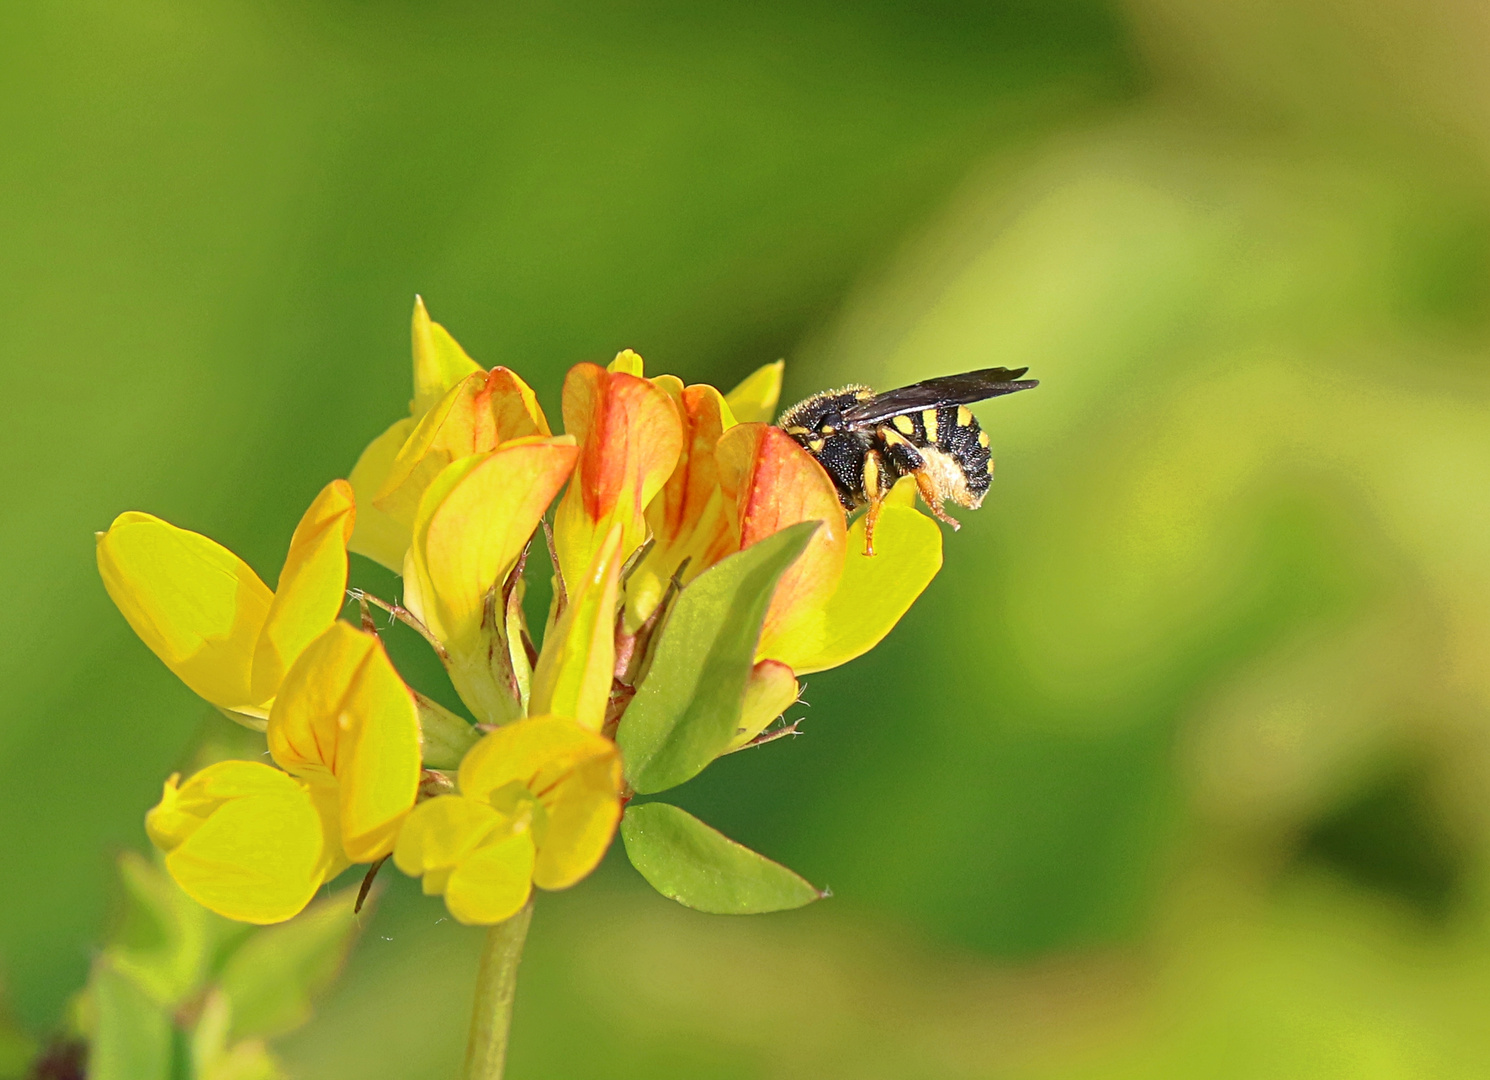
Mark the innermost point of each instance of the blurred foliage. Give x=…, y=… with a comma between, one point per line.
x=180, y=992
x=1180, y=766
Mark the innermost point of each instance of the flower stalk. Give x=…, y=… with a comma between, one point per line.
x=496, y=987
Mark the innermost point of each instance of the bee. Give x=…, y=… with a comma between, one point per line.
x=867, y=441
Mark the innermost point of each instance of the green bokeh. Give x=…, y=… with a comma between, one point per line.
x=1178, y=767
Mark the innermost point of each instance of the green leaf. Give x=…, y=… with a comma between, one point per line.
x=131, y=1033
x=272, y=978
x=687, y=709
x=163, y=940
x=699, y=867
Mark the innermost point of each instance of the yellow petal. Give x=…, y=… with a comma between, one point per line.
x=537, y=751
x=583, y=809
x=476, y=415
x=771, y=691
x=575, y=669
x=492, y=884
x=629, y=438
x=440, y=832
x=242, y=839
x=170, y=821
x=871, y=597
x=902, y=493
x=755, y=399
x=434, y=881
x=378, y=535
x=192, y=601
x=343, y=714
x=439, y=361
x=312, y=586
x=427, y=450
x=472, y=526
x=325, y=796
x=627, y=362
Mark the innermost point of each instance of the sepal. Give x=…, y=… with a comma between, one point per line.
x=444, y=737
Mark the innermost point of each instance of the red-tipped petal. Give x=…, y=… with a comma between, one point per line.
x=772, y=483
x=630, y=437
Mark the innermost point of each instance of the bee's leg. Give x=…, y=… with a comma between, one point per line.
x=871, y=516
x=874, y=477
x=933, y=497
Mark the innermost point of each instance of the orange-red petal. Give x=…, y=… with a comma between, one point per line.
x=772, y=483
x=630, y=437
x=689, y=518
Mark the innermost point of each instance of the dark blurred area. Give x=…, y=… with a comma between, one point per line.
x=1180, y=766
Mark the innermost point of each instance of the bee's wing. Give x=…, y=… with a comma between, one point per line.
x=947, y=390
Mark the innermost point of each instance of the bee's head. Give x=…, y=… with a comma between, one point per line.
x=821, y=411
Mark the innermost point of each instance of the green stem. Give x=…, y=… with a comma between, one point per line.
x=496, y=985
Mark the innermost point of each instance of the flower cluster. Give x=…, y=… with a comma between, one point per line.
x=701, y=564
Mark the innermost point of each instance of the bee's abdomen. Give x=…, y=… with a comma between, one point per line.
x=953, y=430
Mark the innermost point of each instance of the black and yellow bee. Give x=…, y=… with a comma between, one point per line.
x=867, y=441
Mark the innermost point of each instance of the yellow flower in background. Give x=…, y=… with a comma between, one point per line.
x=254, y=843
x=629, y=439
x=458, y=409
x=209, y=617
x=539, y=801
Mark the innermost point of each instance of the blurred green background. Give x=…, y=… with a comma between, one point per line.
x=1180, y=768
